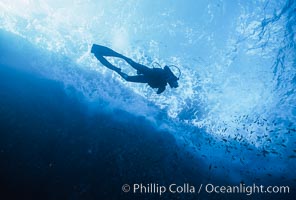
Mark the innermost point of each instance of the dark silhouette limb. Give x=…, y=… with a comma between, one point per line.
x=106, y=63
x=142, y=69
x=138, y=79
x=100, y=51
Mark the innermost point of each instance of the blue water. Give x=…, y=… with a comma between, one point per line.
x=232, y=118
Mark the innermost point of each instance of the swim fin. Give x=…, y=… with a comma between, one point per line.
x=104, y=51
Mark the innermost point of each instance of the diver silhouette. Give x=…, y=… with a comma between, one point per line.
x=155, y=77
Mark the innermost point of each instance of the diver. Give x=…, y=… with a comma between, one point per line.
x=155, y=77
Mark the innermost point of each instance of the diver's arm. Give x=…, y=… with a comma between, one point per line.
x=161, y=89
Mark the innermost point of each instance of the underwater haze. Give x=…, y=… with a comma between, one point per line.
x=72, y=129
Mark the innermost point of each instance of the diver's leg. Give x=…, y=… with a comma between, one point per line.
x=100, y=51
x=142, y=69
x=107, y=64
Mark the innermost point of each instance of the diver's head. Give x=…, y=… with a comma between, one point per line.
x=171, y=78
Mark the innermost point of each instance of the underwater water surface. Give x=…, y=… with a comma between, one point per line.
x=72, y=129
